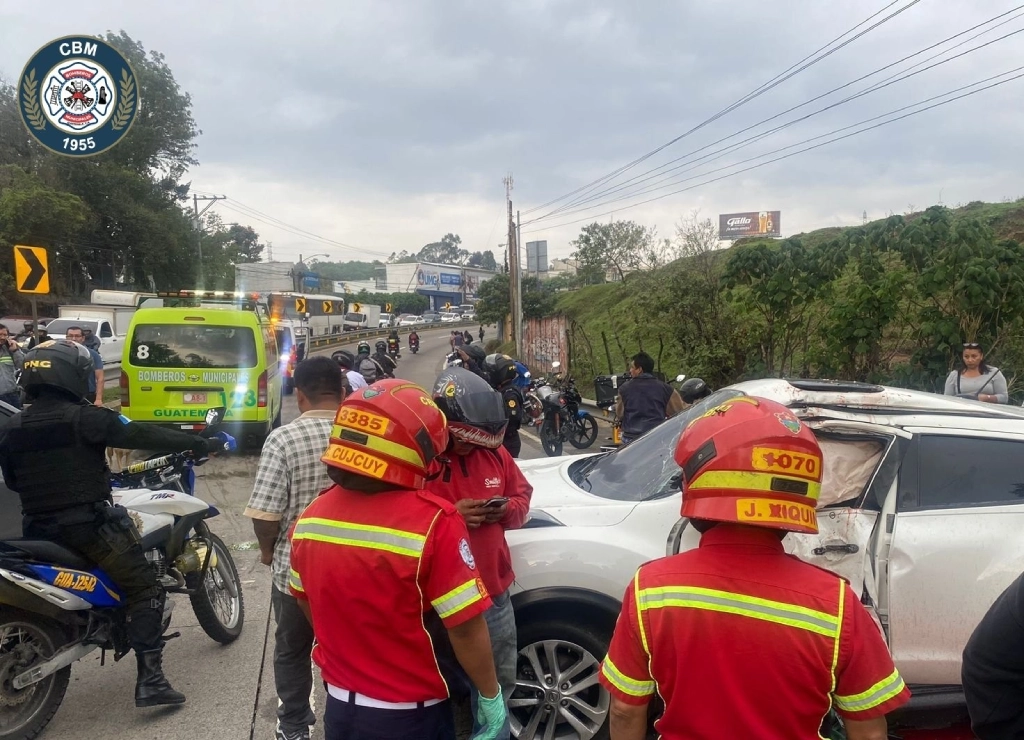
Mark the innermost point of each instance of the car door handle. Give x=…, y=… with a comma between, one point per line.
x=850, y=549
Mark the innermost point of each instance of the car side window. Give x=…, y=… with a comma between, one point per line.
x=105, y=330
x=967, y=471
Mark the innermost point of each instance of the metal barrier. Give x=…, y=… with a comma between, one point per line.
x=349, y=337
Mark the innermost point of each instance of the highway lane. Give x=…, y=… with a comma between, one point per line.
x=220, y=681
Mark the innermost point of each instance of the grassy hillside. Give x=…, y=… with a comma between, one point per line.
x=661, y=313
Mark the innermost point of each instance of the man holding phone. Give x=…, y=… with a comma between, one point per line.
x=11, y=358
x=490, y=492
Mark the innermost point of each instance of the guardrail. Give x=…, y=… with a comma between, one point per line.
x=348, y=337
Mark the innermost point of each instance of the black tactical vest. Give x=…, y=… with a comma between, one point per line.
x=52, y=466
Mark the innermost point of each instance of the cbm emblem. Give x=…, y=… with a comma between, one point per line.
x=78, y=96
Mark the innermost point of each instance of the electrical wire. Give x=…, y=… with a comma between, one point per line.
x=664, y=182
x=800, y=66
x=801, y=151
x=886, y=82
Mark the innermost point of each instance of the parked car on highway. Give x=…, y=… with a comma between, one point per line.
x=431, y=317
x=408, y=319
x=386, y=321
x=921, y=509
x=450, y=318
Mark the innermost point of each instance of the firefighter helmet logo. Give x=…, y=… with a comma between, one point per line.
x=78, y=96
x=790, y=422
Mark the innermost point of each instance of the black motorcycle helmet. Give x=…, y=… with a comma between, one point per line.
x=60, y=365
x=694, y=389
x=500, y=369
x=363, y=348
x=381, y=345
x=345, y=359
x=475, y=352
x=475, y=412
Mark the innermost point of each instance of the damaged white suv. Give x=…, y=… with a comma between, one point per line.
x=922, y=509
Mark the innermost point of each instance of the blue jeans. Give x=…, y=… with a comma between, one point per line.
x=501, y=624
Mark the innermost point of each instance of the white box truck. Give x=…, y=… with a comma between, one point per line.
x=108, y=316
x=361, y=316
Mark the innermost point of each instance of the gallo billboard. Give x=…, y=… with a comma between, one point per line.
x=752, y=223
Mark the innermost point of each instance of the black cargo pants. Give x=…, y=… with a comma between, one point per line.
x=106, y=535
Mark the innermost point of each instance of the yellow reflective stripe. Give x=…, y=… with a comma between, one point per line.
x=457, y=599
x=750, y=481
x=294, y=581
x=360, y=535
x=381, y=445
x=878, y=694
x=767, y=610
x=640, y=614
x=625, y=684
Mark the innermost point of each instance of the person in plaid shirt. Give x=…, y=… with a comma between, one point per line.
x=290, y=476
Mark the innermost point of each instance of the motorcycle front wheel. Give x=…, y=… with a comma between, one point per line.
x=220, y=613
x=583, y=432
x=27, y=639
x=550, y=440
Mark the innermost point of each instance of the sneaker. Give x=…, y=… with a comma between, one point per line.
x=283, y=734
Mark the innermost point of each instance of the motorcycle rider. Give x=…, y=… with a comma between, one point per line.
x=473, y=356
x=502, y=374
x=347, y=362
x=414, y=340
x=394, y=344
x=366, y=365
x=53, y=455
x=386, y=362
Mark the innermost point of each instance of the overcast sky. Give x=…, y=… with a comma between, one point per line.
x=384, y=125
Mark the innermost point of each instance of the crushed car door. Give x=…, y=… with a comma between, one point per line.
x=860, y=463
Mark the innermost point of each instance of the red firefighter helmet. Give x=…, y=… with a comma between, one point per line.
x=751, y=461
x=390, y=431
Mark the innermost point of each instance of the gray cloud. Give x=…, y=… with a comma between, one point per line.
x=387, y=124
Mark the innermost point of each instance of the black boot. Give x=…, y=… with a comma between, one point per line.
x=152, y=688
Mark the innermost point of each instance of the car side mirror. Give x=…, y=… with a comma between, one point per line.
x=215, y=415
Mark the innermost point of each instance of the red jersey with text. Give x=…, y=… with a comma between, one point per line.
x=742, y=640
x=485, y=474
x=371, y=566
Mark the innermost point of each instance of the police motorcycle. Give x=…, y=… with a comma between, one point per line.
x=564, y=420
x=56, y=607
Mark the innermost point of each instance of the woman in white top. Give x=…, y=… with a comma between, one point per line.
x=976, y=379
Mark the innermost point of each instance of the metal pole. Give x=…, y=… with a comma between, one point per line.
x=35, y=319
x=519, y=292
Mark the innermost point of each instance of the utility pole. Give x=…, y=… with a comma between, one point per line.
x=513, y=268
x=199, y=228
x=519, y=292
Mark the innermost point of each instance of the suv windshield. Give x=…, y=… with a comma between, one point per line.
x=175, y=345
x=643, y=469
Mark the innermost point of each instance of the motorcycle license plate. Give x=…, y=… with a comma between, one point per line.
x=194, y=398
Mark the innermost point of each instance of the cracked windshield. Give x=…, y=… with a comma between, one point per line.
x=566, y=371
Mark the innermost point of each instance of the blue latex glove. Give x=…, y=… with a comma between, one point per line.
x=230, y=445
x=490, y=715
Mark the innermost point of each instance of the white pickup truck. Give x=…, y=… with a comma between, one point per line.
x=108, y=316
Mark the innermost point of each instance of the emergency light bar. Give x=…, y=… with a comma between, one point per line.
x=197, y=298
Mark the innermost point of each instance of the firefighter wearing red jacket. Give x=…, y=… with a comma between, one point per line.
x=486, y=486
x=740, y=639
x=383, y=569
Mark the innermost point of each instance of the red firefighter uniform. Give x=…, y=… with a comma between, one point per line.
x=737, y=637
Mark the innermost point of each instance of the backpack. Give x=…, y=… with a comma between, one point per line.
x=368, y=369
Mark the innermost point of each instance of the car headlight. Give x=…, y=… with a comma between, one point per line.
x=539, y=518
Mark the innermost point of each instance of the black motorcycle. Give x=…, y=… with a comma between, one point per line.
x=393, y=348
x=414, y=345
x=564, y=420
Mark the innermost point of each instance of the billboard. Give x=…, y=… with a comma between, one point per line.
x=536, y=257
x=750, y=223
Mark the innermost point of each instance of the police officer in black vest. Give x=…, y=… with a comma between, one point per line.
x=54, y=455
x=501, y=374
x=644, y=401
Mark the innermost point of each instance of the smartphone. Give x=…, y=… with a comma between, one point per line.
x=496, y=501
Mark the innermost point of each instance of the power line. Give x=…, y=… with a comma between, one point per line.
x=800, y=66
x=667, y=182
x=801, y=151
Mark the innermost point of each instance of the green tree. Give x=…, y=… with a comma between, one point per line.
x=621, y=247
x=484, y=260
x=493, y=299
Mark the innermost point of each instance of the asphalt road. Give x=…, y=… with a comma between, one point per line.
x=230, y=689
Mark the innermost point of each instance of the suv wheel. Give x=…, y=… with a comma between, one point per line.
x=557, y=695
